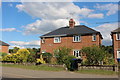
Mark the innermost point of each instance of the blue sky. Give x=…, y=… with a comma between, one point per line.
x=23, y=23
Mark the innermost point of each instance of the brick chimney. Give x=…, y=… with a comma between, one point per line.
x=71, y=23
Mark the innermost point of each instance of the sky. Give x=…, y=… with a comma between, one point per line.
x=24, y=22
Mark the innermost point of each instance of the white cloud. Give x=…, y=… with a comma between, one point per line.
x=52, y=15
x=9, y=29
x=96, y=15
x=105, y=30
x=44, y=26
x=111, y=8
x=23, y=44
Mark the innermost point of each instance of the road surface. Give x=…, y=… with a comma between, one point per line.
x=10, y=72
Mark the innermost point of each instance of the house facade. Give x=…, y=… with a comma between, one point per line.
x=73, y=36
x=116, y=43
x=4, y=47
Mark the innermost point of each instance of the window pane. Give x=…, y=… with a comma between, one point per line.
x=76, y=38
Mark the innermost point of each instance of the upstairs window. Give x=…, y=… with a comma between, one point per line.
x=57, y=39
x=118, y=36
x=43, y=40
x=76, y=38
x=93, y=37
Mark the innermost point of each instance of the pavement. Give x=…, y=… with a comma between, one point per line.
x=10, y=72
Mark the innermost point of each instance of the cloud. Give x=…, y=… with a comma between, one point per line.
x=105, y=30
x=23, y=44
x=96, y=15
x=44, y=26
x=9, y=30
x=111, y=8
x=53, y=15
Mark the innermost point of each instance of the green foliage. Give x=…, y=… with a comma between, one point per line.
x=24, y=53
x=47, y=57
x=94, y=55
x=3, y=54
x=68, y=61
x=108, y=49
x=15, y=49
x=40, y=60
x=61, y=54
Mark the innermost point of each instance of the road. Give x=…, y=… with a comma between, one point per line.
x=10, y=72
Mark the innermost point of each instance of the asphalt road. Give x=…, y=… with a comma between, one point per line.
x=9, y=72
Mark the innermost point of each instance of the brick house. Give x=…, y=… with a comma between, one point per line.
x=72, y=36
x=4, y=47
x=116, y=43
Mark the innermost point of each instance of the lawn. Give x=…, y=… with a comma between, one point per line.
x=34, y=67
x=101, y=72
x=48, y=68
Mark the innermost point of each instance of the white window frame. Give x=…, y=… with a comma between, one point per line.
x=76, y=36
x=75, y=54
x=118, y=54
x=118, y=34
x=59, y=39
x=94, y=37
x=43, y=40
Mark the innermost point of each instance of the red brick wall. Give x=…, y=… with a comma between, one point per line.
x=4, y=49
x=116, y=45
x=50, y=46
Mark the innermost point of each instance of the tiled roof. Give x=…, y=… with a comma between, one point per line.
x=67, y=31
x=3, y=43
x=116, y=30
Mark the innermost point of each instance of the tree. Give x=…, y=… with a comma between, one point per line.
x=94, y=55
x=15, y=49
x=24, y=53
x=61, y=54
x=47, y=57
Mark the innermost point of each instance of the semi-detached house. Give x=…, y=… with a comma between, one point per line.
x=73, y=36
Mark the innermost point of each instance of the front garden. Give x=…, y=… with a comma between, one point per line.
x=25, y=58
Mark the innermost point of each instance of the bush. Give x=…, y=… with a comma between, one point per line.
x=23, y=54
x=94, y=55
x=47, y=57
x=61, y=54
x=68, y=61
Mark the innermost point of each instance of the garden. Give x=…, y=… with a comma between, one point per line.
x=59, y=61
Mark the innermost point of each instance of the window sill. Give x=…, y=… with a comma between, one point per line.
x=76, y=41
x=57, y=42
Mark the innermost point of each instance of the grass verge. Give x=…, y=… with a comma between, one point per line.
x=100, y=72
x=48, y=68
x=34, y=67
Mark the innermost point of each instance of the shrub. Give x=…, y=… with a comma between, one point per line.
x=47, y=57
x=94, y=55
x=61, y=54
x=68, y=61
x=23, y=54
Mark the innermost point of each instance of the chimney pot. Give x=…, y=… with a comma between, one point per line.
x=71, y=23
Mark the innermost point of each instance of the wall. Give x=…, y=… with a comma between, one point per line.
x=86, y=40
x=4, y=49
x=116, y=45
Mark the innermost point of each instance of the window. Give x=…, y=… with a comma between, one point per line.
x=118, y=36
x=76, y=53
x=118, y=54
x=76, y=38
x=57, y=39
x=93, y=37
x=43, y=40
